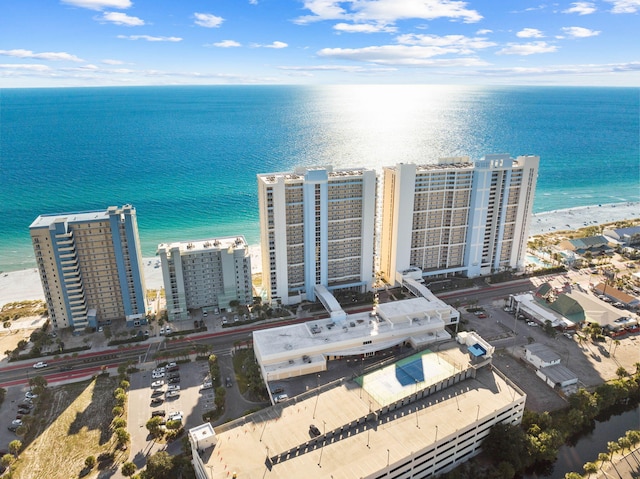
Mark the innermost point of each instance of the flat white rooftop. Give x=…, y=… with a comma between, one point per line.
x=44, y=221
x=360, y=451
x=186, y=247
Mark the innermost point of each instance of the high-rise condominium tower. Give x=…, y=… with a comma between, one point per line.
x=456, y=217
x=317, y=226
x=90, y=267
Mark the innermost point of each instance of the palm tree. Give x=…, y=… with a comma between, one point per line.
x=613, y=447
x=572, y=475
x=624, y=444
x=603, y=457
x=634, y=439
x=617, y=343
x=590, y=468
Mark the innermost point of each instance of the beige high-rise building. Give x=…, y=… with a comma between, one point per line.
x=317, y=227
x=91, y=267
x=205, y=274
x=456, y=217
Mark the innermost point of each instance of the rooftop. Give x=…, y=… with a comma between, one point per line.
x=44, y=221
x=244, y=444
x=213, y=244
x=543, y=352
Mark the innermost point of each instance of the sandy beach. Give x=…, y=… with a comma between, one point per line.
x=25, y=284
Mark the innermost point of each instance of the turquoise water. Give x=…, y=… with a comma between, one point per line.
x=187, y=157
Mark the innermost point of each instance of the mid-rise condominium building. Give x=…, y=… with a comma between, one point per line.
x=205, y=274
x=457, y=217
x=317, y=227
x=90, y=267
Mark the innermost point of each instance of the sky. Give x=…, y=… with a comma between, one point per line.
x=60, y=43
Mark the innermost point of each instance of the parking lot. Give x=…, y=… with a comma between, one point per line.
x=8, y=413
x=192, y=401
x=593, y=363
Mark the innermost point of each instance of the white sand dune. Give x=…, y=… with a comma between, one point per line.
x=25, y=284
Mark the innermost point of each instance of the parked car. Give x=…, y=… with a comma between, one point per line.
x=175, y=416
x=24, y=410
x=157, y=393
x=156, y=401
x=25, y=405
x=13, y=428
x=157, y=384
x=228, y=382
x=16, y=422
x=277, y=390
x=206, y=385
x=314, y=431
x=172, y=394
x=173, y=387
x=30, y=395
x=280, y=398
x=40, y=364
x=158, y=412
x=174, y=380
x=159, y=370
x=174, y=375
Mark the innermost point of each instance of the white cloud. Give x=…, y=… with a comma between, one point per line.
x=529, y=33
x=24, y=66
x=400, y=55
x=53, y=56
x=527, y=48
x=484, y=31
x=580, y=32
x=99, y=4
x=120, y=18
x=208, y=20
x=565, y=69
x=363, y=28
x=338, y=68
x=275, y=44
x=624, y=6
x=581, y=8
x=387, y=11
x=108, y=61
x=459, y=43
x=225, y=44
x=149, y=38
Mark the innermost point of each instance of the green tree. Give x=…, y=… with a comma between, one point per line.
x=621, y=372
x=160, y=466
x=124, y=384
x=572, y=475
x=15, y=446
x=119, y=422
x=90, y=462
x=117, y=411
x=590, y=468
x=128, y=469
x=506, y=442
x=6, y=460
x=122, y=436
x=603, y=457
x=38, y=384
x=153, y=426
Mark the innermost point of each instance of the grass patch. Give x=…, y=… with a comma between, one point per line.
x=72, y=422
x=238, y=361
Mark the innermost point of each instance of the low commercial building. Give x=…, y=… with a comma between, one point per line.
x=540, y=355
x=207, y=273
x=416, y=418
x=624, y=236
x=304, y=348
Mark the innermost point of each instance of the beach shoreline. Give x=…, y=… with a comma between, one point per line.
x=25, y=284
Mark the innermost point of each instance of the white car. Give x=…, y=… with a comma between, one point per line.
x=172, y=394
x=160, y=370
x=16, y=422
x=173, y=387
x=208, y=384
x=157, y=384
x=30, y=395
x=175, y=416
x=157, y=375
x=280, y=398
x=40, y=364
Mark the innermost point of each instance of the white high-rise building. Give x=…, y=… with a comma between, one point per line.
x=317, y=226
x=90, y=267
x=205, y=274
x=456, y=217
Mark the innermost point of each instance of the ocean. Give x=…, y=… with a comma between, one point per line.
x=187, y=157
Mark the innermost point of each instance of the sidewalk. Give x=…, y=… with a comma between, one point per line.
x=623, y=467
